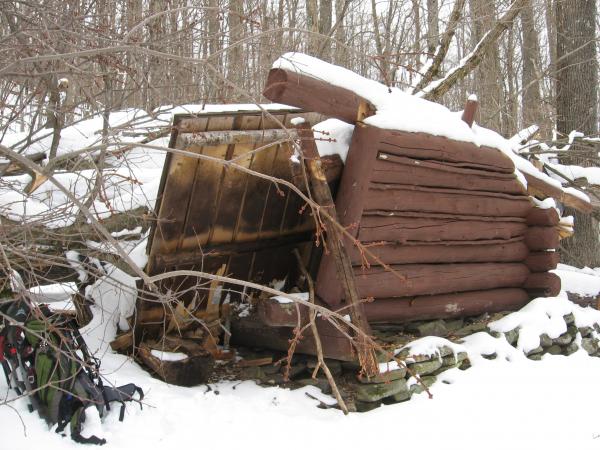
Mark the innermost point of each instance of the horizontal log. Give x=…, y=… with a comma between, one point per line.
x=433, y=215
x=542, y=261
x=447, y=201
x=395, y=169
x=445, y=306
x=545, y=284
x=426, y=146
x=252, y=332
x=312, y=94
x=545, y=217
x=433, y=279
x=541, y=188
x=514, y=251
x=404, y=229
x=542, y=238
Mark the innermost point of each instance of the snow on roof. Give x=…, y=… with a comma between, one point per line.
x=398, y=110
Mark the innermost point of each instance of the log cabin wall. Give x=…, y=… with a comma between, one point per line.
x=455, y=230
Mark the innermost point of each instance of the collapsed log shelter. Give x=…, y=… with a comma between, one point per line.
x=448, y=228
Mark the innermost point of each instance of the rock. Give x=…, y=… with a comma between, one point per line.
x=425, y=367
x=417, y=388
x=536, y=356
x=512, y=336
x=589, y=345
x=366, y=406
x=569, y=318
x=572, y=330
x=320, y=383
x=470, y=329
x=597, y=327
x=433, y=328
x=253, y=373
x=376, y=392
x=402, y=396
x=563, y=339
x=452, y=360
x=554, y=350
x=295, y=370
x=466, y=364
x=385, y=377
x=335, y=367
x=442, y=351
x=586, y=331
x=570, y=349
x=453, y=325
x=490, y=356
x=545, y=340
x=535, y=351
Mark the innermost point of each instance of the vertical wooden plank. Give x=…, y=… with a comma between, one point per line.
x=233, y=186
x=177, y=189
x=205, y=194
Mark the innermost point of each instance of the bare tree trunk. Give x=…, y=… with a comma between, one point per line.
x=433, y=28
x=488, y=81
x=530, y=75
x=325, y=18
x=576, y=106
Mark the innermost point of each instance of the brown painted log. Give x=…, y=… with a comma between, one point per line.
x=393, y=169
x=312, y=94
x=432, y=215
x=445, y=306
x=468, y=115
x=433, y=279
x=426, y=146
x=476, y=203
x=542, y=261
x=545, y=217
x=539, y=187
x=350, y=201
x=545, y=284
x=251, y=332
x=514, y=251
x=405, y=229
x=542, y=238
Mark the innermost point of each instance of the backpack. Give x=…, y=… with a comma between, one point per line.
x=45, y=358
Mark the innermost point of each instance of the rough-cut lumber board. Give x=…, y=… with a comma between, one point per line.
x=542, y=238
x=401, y=170
x=545, y=217
x=236, y=137
x=445, y=306
x=309, y=93
x=426, y=146
x=538, y=187
x=404, y=229
x=432, y=279
x=468, y=115
x=447, y=201
x=191, y=371
x=349, y=202
x=545, y=284
x=542, y=261
x=514, y=251
x=275, y=314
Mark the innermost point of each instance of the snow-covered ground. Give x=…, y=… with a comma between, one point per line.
x=509, y=402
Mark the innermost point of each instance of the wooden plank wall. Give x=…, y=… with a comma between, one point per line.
x=209, y=216
x=456, y=230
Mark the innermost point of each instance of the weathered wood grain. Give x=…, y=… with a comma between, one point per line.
x=445, y=306
x=431, y=279
x=542, y=261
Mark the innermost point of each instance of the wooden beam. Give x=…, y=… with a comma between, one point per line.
x=335, y=241
x=445, y=306
x=312, y=94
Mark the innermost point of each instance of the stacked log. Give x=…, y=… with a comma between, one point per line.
x=445, y=227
